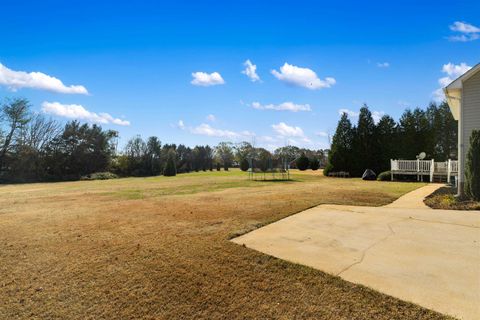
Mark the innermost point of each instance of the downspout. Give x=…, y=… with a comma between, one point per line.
x=460, y=147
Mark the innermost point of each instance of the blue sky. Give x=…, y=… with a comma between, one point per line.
x=136, y=61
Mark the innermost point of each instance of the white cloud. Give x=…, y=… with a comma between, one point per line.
x=285, y=106
x=464, y=27
x=211, y=118
x=468, y=32
x=15, y=80
x=251, y=71
x=350, y=113
x=302, y=77
x=207, y=130
x=383, y=64
x=322, y=134
x=452, y=71
x=464, y=38
x=204, y=79
x=78, y=112
x=273, y=142
x=285, y=130
x=377, y=115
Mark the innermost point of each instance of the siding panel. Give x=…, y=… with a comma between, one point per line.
x=471, y=109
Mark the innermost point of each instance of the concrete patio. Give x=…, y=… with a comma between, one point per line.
x=405, y=249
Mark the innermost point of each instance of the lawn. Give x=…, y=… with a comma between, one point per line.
x=158, y=248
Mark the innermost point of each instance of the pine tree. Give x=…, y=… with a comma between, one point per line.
x=314, y=164
x=415, y=134
x=340, y=155
x=386, y=133
x=444, y=130
x=302, y=162
x=364, y=143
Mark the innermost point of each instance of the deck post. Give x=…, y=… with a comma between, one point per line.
x=432, y=168
x=418, y=170
x=391, y=169
x=449, y=170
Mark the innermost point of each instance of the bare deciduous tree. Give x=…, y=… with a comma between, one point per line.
x=39, y=132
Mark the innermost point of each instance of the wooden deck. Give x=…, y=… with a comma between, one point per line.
x=423, y=168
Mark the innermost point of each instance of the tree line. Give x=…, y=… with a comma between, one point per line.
x=150, y=158
x=35, y=148
x=370, y=145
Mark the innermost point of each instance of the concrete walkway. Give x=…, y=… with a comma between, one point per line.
x=429, y=257
x=414, y=199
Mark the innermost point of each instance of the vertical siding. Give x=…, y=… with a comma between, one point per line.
x=471, y=109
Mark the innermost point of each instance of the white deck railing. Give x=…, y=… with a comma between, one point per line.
x=423, y=167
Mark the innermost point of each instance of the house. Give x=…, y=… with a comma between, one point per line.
x=463, y=97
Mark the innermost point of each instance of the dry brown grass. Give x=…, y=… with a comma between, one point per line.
x=445, y=198
x=157, y=248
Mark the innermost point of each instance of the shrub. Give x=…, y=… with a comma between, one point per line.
x=314, y=164
x=385, y=176
x=185, y=168
x=302, y=162
x=219, y=166
x=244, y=165
x=99, y=176
x=472, y=167
x=328, y=168
x=170, y=167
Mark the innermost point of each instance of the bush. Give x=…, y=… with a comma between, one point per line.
x=328, y=168
x=385, y=176
x=170, y=167
x=314, y=164
x=120, y=165
x=244, y=165
x=99, y=176
x=219, y=166
x=302, y=162
x=472, y=167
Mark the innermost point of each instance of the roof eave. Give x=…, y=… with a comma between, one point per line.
x=454, y=97
x=458, y=83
